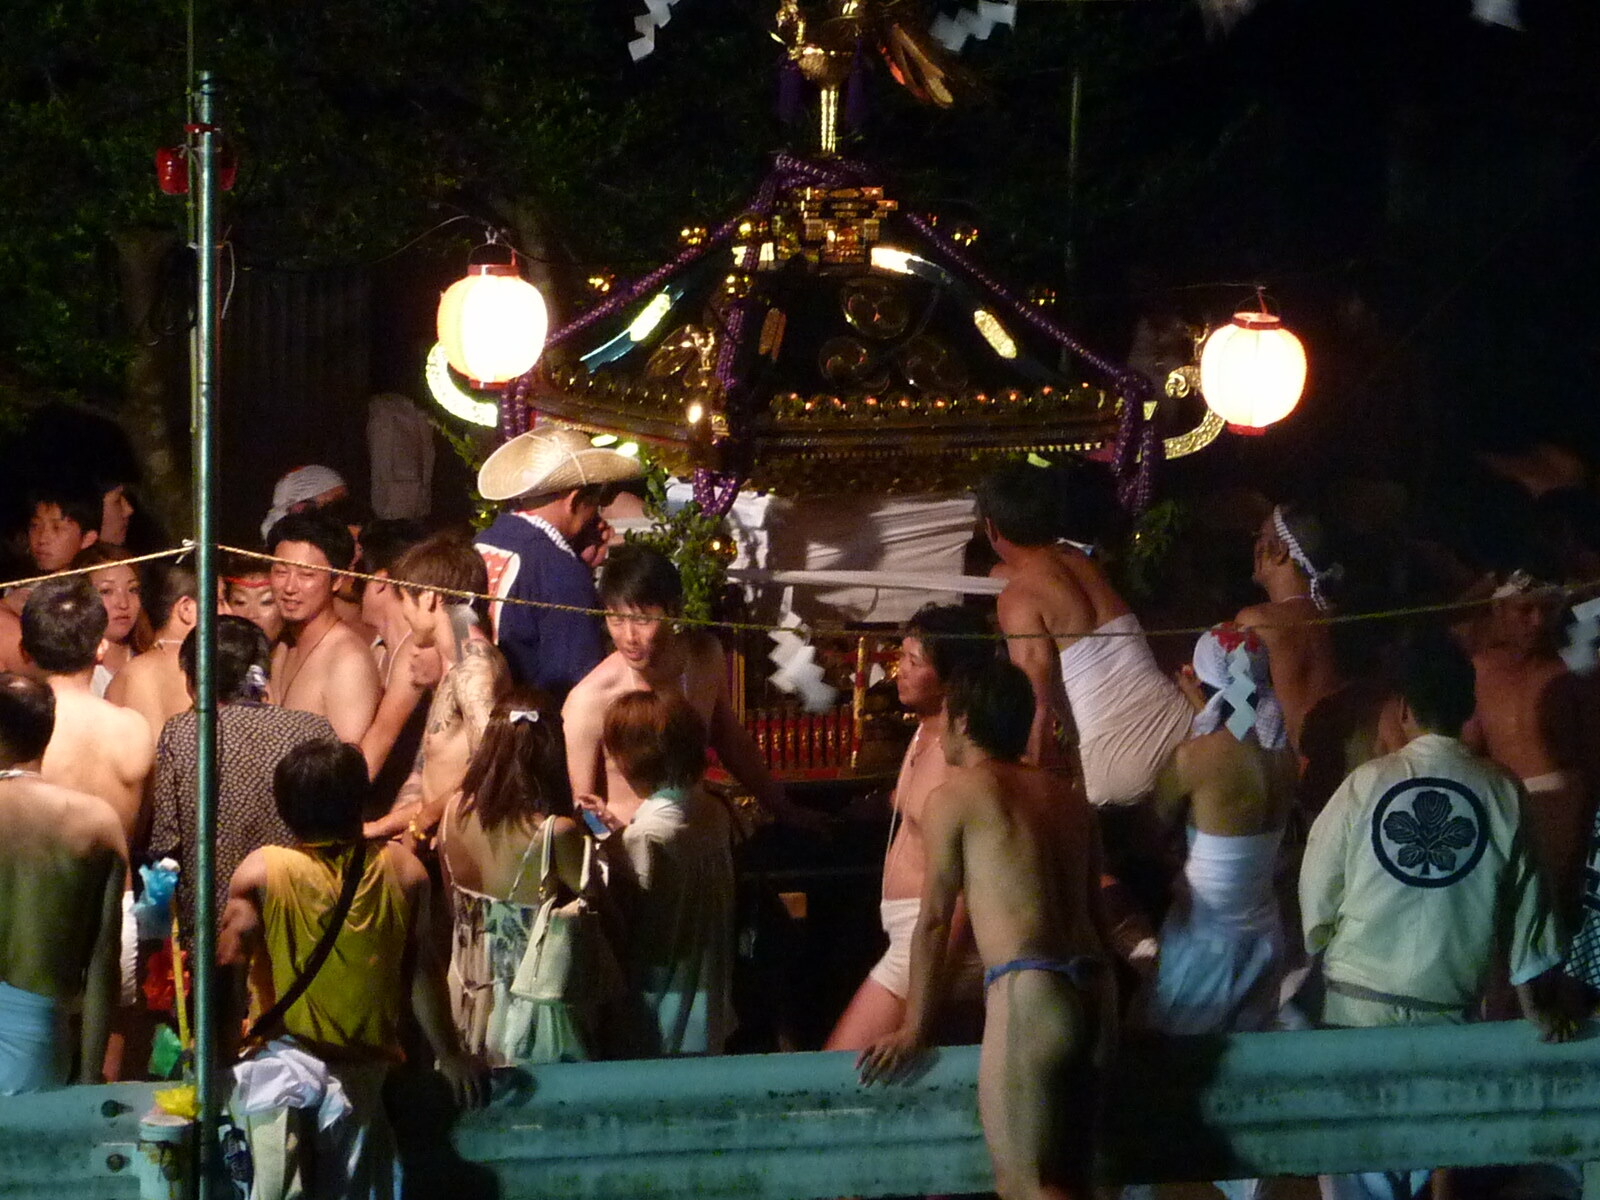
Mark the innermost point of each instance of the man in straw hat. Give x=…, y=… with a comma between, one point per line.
x=556, y=482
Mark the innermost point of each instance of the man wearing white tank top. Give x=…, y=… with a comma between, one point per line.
x=1079, y=644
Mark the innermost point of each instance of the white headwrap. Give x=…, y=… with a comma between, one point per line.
x=1302, y=560
x=298, y=487
x=1234, y=662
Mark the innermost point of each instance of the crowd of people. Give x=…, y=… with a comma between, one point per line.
x=461, y=816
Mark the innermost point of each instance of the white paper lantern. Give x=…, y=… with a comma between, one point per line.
x=1252, y=370
x=492, y=324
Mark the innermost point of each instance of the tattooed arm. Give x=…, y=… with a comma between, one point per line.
x=475, y=683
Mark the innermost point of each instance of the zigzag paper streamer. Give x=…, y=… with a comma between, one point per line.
x=1240, y=693
x=656, y=16
x=1582, y=636
x=796, y=660
x=975, y=22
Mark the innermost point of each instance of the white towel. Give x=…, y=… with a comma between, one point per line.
x=285, y=1076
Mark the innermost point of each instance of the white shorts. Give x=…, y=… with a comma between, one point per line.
x=893, y=970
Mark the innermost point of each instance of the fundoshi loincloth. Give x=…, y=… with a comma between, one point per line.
x=1128, y=713
x=1079, y=970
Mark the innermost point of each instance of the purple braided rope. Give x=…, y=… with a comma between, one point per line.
x=713, y=502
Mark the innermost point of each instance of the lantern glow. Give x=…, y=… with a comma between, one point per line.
x=451, y=398
x=492, y=324
x=1252, y=370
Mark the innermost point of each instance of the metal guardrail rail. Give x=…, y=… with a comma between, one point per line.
x=794, y=1126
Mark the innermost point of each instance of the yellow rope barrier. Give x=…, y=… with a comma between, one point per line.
x=814, y=632
x=175, y=552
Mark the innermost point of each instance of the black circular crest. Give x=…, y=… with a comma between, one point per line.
x=1429, y=832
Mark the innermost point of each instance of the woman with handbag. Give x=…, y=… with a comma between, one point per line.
x=530, y=969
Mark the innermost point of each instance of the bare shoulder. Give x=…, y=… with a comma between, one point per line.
x=1018, y=608
x=1256, y=616
x=595, y=690
x=346, y=648
x=962, y=787
x=87, y=821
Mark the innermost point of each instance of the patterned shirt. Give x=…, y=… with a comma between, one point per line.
x=251, y=740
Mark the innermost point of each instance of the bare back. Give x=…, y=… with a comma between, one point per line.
x=1026, y=841
x=1534, y=717
x=1229, y=788
x=1060, y=591
x=153, y=685
x=100, y=749
x=1053, y=597
x=1304, y=670
x=504, y=862
x=63, y=860
x=1529, y=712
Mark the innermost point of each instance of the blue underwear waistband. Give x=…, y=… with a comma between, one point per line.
x=1079, y=970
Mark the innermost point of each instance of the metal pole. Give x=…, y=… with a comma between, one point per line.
x=203, y=398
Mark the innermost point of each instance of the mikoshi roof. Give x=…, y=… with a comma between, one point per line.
x=825, y=339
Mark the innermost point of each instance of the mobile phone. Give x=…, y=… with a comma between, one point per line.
x=595, y=824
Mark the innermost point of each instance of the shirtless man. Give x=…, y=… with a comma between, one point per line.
x=641, y=593
x=1537, y=720
x=153, y=684
x=1018, y=844
x=407, y=672
x=97, y=747
x=1332, y=724
x=63, y=865
x=475, y=675
x=1128, y=714
x=322, y=665
x=927, y=663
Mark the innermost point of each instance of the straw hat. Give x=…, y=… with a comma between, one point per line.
x=543, y=461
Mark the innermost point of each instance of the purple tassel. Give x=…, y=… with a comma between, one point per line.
x=855, y=91
x=791, y=93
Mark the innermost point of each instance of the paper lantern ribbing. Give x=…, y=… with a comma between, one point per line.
x=492, y=324
x=1252, y=370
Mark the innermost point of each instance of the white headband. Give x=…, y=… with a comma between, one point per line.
x=1302, y=560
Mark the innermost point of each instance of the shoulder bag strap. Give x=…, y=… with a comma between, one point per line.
x=269, y=1020
x=542, y=835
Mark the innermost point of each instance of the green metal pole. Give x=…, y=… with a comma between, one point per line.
x=203, y=400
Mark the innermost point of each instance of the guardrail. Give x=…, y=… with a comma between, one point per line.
x=795, y=1126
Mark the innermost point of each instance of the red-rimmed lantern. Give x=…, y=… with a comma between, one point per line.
x=1252, y=371
x=492, y=324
